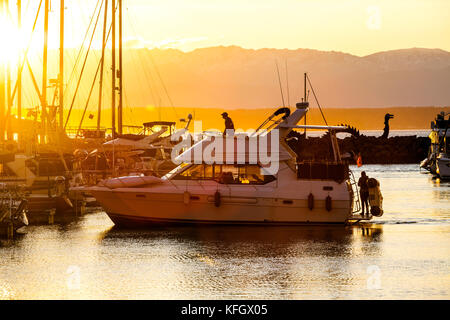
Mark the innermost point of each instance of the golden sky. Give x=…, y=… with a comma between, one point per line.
x=358, y=27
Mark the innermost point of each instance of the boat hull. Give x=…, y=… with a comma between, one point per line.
x=443, y=168
x=143, y=209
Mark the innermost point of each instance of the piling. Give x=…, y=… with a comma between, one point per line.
x=10, y=231
x=7, y=230
x=51, y=216
x=80, y=207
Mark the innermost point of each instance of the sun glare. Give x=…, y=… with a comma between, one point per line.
x=11, y=41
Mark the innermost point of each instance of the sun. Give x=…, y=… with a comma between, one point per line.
x=11, y=42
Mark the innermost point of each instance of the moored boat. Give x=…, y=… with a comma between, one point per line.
x=238, y=186
x=438, y=160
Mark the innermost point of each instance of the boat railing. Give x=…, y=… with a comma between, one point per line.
x=93, y=177
x=355, y=193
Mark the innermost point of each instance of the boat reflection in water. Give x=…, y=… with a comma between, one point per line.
x=280, y=238
x=252, y=261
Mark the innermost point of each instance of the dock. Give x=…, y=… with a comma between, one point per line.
x=355, y=218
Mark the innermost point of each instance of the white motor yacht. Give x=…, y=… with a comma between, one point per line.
x=240, y=191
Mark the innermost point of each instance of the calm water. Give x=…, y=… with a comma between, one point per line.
x=403, y=255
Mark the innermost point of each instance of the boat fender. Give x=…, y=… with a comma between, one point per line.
x=186, y=197
x=311, y=201
x=217, y=199
x=328, y=203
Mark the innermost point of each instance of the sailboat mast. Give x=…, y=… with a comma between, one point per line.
x=119, y=111
x=61, y=65
x=7, y=120
x=100, y=87
x=44, y=73
x=19, y=70
x=3, y=11
x=8, y=101
x=113, y=62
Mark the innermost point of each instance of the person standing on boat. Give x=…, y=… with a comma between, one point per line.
x=364, y=192
x=228, y=123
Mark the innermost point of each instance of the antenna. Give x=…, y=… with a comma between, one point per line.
x=304, y=83
x=315, y=98
x=305, y=99
x=279, y=82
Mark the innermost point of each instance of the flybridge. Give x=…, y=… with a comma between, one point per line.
x=265, y=146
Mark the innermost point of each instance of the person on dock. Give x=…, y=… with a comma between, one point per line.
x=228, y=124
x=364, y=192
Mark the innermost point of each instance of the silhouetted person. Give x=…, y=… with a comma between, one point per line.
x=364, y=192
x=228, y=123
x=387, y=117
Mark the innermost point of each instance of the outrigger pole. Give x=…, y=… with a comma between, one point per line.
x=304, y=99
x=113, y=63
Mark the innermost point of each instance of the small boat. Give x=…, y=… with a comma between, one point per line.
x=145, y=153
x=43, y=178
x=13, y=207
x=438, y=159
x=237, y=189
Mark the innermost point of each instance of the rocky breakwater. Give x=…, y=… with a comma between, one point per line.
x=373, y=150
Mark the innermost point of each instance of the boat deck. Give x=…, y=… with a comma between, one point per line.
x=359, y=217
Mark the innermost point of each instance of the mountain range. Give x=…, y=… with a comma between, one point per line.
x=234, y=77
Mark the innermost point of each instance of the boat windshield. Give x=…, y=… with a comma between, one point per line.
x=174, y=171
x=224, y=174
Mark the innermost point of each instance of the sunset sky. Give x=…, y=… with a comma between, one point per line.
x=358, y=27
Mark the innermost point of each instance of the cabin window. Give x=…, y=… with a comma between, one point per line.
x=196, y=172
x=226, y=174
x=5, y=171
x=241, y=174
x=51, y=167
x=149, y=153
x=322, y=171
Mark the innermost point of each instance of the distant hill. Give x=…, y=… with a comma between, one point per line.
x=233, y=77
